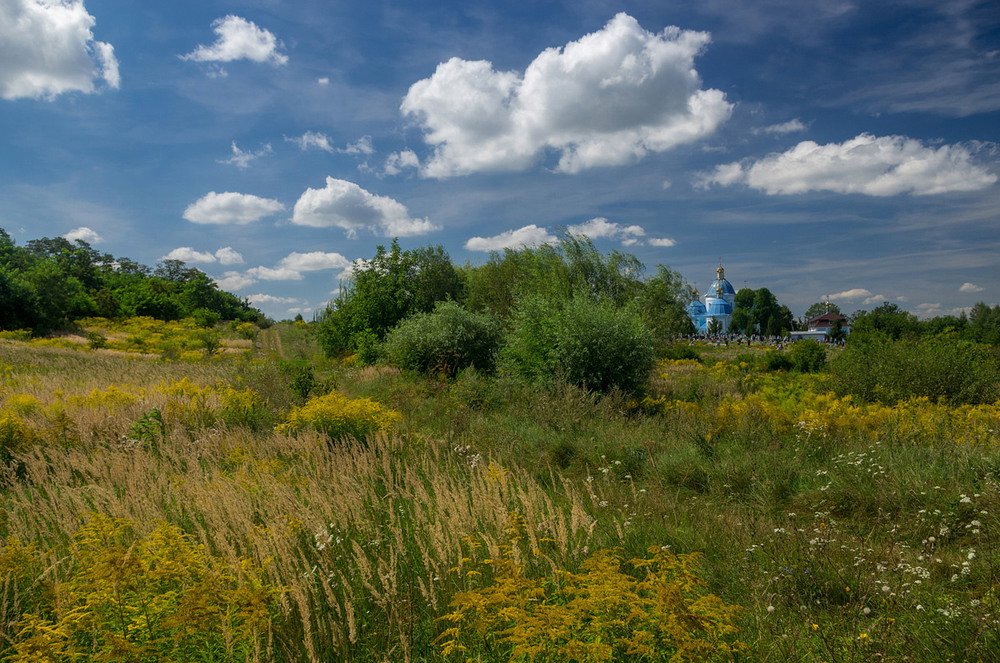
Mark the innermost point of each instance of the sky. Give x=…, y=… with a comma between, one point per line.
x=843, y=149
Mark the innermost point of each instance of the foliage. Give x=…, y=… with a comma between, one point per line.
x=383, y=291
x=445, y=340
x=562, y=270
x=52, y=282
x=758, y=312
x=585, y=342
x=159, y=597
x=807, y=356
x=876, y=367
x=338, y=417
x=819, y=308
x=662, y=302
x=680, y=351
x=659, y=612
x=888, y=319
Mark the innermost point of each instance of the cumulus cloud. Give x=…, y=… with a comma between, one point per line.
x=663, y=242
x=47, y=48
x=875, y=299
x=261, y=298
x=601, y=228
x=400, y=160
x=242, y=159
x=189, y=255
x=606, y=99
x=853, y=293
x=512, y=239
x=970, y=287
x=227, y=255
x=230, y=208
x=234, y=281
x=867, y=164
x=312, y=140
x=290, y=267
x=343, y=204
x=83, y=233
x=239, y=39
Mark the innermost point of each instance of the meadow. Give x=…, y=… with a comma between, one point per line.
x=232, y=495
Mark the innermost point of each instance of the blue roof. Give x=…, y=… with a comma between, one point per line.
x=720, y=307
x=727, y=288
x=696, y=308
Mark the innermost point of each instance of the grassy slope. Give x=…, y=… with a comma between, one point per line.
x=839, y=546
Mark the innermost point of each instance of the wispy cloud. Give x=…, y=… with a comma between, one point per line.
x=970, y=287
x=242, y=159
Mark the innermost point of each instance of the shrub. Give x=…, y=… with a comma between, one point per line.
x=338, y=417
x=877, y=368
x=161, y=597
x=600, y=614
x=681, y=351
x=775, y=360
x=15, y=435
x=587, y=342
x=206, y=318
x=447, y=339
x=807, y=356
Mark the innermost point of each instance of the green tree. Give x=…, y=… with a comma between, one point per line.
x=819, y=308
x=888, y=319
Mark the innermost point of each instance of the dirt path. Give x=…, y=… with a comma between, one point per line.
x=271, y=342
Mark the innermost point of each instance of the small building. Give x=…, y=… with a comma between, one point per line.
x=820, y=326
x=718, y=305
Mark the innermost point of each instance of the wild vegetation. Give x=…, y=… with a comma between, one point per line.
x=266, y=501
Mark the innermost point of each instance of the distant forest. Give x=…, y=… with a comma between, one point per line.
x=49, y=283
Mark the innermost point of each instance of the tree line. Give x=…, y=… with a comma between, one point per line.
x=49, y=283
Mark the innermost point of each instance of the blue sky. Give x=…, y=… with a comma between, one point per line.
x=840, y=148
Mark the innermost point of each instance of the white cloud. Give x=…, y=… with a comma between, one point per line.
x=290, y=267
x=970, y=287
x=343, y=204
x=784, y=128
x=665, y=242
x=875, y=299
x=227, y=255
x=261, y=298
x=86, y=234
x=512, y=239
x=362, y=146
x=853, y=293
x=606, y=99
x=189, y=255
x=231, y=208
x=397, y=161
x=875, y=166
x=601, y=228
x=242, y=159
x=312, y=140
x=239, y=39
x=323, y=81
x=274, y=274
x=313, y=261
x=234, y=281
x=47, y=49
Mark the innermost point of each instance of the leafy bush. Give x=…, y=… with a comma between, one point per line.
x=775, y=360
x=586, y=342
x=877, y=368
x=599, y=614
x=807, y=356
x=338, y=417
x=447, y=340
x=680, y=351
x=155, y=598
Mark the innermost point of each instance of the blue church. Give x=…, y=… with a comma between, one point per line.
x=718, y=305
